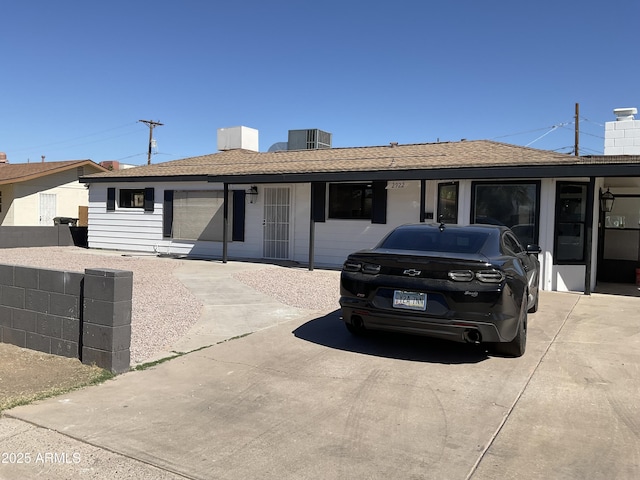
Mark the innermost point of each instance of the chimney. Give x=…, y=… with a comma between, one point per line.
x=110, y=164
x=622, y=137
x=3, y=158
x=624, y=114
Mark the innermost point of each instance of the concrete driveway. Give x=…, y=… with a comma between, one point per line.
x=305, y=400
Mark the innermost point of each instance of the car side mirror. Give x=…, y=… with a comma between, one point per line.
x=533, y=249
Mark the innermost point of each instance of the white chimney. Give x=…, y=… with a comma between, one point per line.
x=623, y=114
x=622, y=137
x=237, y=137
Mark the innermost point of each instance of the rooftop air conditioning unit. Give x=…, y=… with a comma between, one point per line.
x=310, y=139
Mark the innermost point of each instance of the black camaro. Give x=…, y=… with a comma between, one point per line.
x=471, y=283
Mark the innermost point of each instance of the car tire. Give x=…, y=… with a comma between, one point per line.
x=517, y=346
x=534, y=308
x=354, y=330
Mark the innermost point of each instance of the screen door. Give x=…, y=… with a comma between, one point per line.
x=277, y=202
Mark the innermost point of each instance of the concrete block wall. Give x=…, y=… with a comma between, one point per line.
x=49, y=236
x=622, y=137
x=85, y=316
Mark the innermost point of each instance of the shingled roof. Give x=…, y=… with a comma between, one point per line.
x=393, y=161
x=21, y=172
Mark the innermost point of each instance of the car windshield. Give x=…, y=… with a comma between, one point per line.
x=449, y=240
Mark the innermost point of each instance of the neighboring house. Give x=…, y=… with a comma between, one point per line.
x=316, y=206
x=33, y=194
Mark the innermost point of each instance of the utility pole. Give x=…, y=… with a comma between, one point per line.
x=151, y=124
x=577, y=131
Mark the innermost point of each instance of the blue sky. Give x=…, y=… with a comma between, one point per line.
x=78, y=75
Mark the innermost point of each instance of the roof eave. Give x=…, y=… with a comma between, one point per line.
x=145, y=178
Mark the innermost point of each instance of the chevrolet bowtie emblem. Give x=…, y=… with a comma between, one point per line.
x=412, y=272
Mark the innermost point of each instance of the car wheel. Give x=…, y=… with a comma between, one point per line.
x=357, y=330
x=517, y=346
x=534, y=308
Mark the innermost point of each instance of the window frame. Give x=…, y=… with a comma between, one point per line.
x=536, y=212
x=127, y=198
x=367, y=210
x=439, y=207
x=557, y=222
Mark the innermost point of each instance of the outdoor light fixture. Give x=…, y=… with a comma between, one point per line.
x=253, y=193
x=606, y=201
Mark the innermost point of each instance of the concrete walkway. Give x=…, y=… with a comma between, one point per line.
x=303, y=399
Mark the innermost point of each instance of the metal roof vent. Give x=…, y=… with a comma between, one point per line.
x=624, y=114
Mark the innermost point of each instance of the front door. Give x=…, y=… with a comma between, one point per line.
x=277, y=221
x=47, y=208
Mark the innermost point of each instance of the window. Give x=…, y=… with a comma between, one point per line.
x=449, y=240
x=131, y=198
x=514, y=204
x=135, y=198
x=511, y=244
x=358, y=201
x=625, y=213
x=198, y=215
x=570, y=228
x=350, y=200
x=448, y=202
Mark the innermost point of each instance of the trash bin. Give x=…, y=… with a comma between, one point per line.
x=65, y=221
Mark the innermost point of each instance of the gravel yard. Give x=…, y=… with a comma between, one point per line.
x=317, y=290
x=163, y=308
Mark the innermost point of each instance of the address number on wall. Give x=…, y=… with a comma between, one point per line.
x=394, y=185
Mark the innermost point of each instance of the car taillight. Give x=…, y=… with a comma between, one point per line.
x=461, y=275
x=490, y=276
x=370, y=268
x=350, y=266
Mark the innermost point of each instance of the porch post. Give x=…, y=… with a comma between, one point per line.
x=225, y=222
x=423, y=201
x=588, y=235
x=312, y=235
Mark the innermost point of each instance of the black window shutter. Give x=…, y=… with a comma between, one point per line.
x=167, y=214
x=237, y=230
x=379, y=207
x=149, y=198
x=318, y=201
x=111, y=198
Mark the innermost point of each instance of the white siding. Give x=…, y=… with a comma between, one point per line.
x=136, y=230
x=131, y=229
x=335, y=239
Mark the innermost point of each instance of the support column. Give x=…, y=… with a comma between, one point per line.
x=106, y=319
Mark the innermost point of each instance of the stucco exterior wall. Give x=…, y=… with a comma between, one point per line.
x=24, y=207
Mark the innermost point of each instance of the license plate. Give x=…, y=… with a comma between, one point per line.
x=409, y=300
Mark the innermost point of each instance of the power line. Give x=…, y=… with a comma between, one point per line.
x=37, y=147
